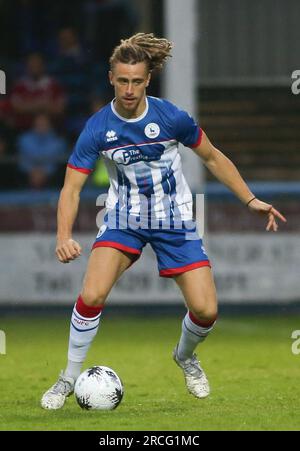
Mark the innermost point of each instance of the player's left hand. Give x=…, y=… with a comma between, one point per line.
x=260, y=207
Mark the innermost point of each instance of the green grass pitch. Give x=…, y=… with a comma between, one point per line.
x=253, y=374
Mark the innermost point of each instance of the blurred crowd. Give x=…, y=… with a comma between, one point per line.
x=55, y=56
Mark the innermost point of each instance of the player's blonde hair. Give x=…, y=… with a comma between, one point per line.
x=142, y=47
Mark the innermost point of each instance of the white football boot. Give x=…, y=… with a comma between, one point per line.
x=55, y=397
x=195, y=379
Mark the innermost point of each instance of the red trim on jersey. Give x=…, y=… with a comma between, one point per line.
x=83, y=170
x=87, y=311
x=175, y=271
x=116, y=245
x=201, y=322
x=198, y=142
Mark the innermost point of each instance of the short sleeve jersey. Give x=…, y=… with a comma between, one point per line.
x=141, y=156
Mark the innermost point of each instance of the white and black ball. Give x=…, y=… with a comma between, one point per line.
x=99, y=388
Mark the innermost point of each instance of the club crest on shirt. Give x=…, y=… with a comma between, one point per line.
x=152, y=130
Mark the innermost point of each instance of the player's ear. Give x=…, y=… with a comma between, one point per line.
x=110, y=76
x=149, y=79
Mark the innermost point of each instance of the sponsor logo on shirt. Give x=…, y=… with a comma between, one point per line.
x=152, y=130
x=111, y=136
x=130, y=156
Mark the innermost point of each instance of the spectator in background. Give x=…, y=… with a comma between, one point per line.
x=40, y=152
x=69, y=45
x=36, y=93
x=72, y=68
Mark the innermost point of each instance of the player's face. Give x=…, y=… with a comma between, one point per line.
x=130, y=82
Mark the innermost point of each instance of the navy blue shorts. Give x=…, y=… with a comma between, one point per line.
x=176, y=253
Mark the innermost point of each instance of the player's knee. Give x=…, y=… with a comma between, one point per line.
x=93, y=298
x=206, y=313
x=209, y=317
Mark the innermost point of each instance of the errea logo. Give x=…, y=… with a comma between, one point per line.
x=111, y=136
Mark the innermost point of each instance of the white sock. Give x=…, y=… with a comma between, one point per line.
x=192, y=334
x=73, y=369
x=83, y=329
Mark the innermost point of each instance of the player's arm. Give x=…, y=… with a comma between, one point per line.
x=68, y=249
x=226, y=172
x=80, y=165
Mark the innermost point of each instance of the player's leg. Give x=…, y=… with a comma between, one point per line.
x=181, y=255
x=113, y=252
x=198, y=289
x=105, y=266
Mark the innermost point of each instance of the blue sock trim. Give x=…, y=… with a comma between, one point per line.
x=84, y=330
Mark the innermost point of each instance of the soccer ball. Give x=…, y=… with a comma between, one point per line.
x=98, y=388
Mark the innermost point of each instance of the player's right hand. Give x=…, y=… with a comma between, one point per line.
x=67, y=250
